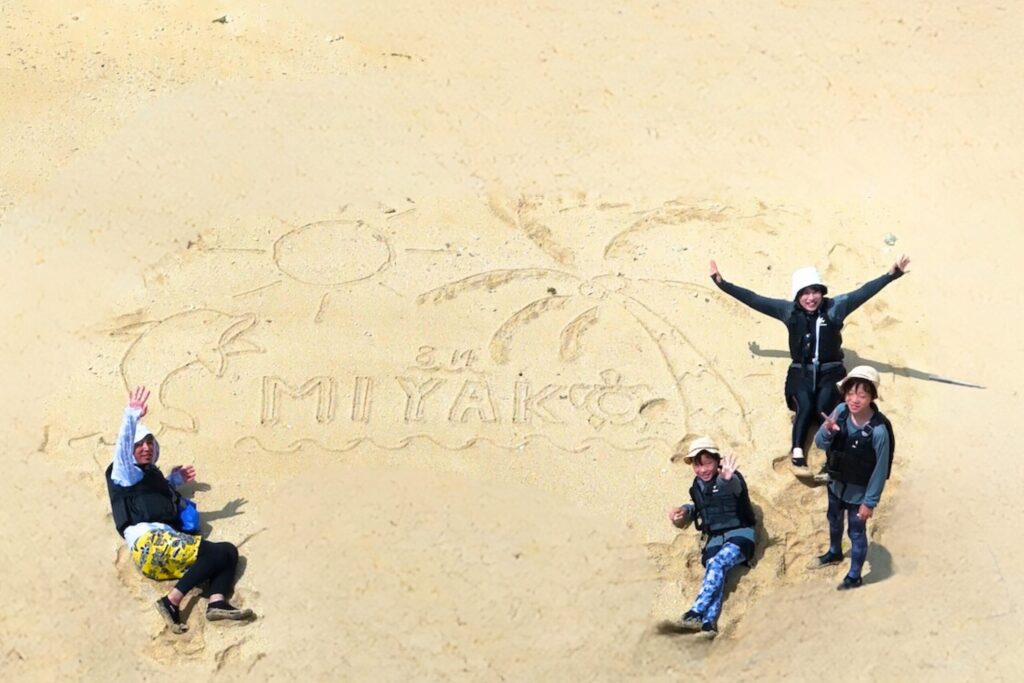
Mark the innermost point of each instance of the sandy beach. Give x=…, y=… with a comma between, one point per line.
x=422, y=292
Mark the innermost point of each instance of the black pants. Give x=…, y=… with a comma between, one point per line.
x=808, y=399
x=216, y=562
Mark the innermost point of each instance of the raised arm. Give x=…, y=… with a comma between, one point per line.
x=775, y=308
x=845, y=304
x=124, y=472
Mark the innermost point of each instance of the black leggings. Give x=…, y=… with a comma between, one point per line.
x=216, y=562
x=808, y=400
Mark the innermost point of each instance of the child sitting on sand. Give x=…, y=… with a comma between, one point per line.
x=145, y=508
x=858, y=442
x=815, y=324
x=722, y=512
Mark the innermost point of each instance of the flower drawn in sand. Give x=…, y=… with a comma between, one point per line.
x=702, y=389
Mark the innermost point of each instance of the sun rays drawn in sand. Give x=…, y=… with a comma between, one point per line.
x=693, y=376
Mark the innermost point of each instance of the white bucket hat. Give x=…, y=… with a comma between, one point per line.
x=807, y=276
x=696, y=447
x=863, y=372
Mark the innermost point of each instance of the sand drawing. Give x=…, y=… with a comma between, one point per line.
x=256, y=444
x=695, y=379
x=314, y=254
x=202, y=337
x=673, y=213
x=329, y=254
x=612, y=402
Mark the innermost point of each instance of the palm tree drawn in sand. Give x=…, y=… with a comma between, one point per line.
x=701, y=387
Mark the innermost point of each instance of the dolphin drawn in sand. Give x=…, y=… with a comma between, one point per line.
x=166, y=347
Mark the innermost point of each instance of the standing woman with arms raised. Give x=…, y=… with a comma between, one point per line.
x=814, y=322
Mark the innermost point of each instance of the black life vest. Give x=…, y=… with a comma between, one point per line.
x=150, y=500
x=718, y=511
x=802, y=326
x=851, y=458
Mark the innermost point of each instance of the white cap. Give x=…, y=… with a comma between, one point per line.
x=863, y=372
x=696, y=447
x=807, y=276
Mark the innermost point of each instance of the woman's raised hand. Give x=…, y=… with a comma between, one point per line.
x=715, y=275
x=137, y=399
x=729, y=466
x=900, y=266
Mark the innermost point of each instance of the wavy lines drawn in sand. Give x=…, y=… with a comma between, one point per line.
x=684, y=362
x=204, y=337
x=254, y=442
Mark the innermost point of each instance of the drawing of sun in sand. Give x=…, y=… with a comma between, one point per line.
x=320, y=258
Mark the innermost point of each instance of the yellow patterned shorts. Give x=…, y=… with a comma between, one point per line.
x=165, y=555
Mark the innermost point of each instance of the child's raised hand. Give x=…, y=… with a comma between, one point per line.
x=729, y=466
x=829, y=423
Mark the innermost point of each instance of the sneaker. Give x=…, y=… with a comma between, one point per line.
x=798, y=460
x=171, y=615
x=709, y=630
x=690, y=621
x=230, y=612
x=827, y=560
x=850, y=582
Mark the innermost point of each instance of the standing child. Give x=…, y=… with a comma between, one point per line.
x=814, y=322
x=721, y=511
x=858, y=440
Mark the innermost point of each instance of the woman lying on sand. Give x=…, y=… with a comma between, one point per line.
x=858, y=440
x=722, y=512
x=815, y=324
x=145, y=506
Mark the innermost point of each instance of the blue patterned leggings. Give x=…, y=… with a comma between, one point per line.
x=858, y=531
x=709, y=601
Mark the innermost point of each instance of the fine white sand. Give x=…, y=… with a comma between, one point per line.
x=422, y=293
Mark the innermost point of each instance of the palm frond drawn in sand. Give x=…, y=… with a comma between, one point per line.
x=501, y=339
x=572, y=334
x=693, y=375
x=619, y=244
x=490, y=279
x=537, y=233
